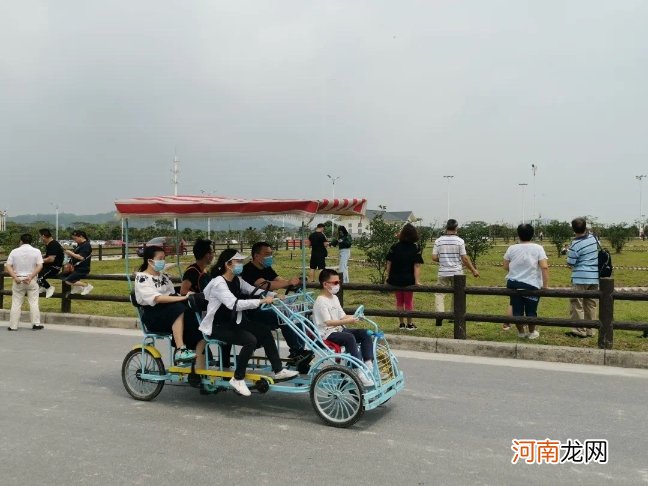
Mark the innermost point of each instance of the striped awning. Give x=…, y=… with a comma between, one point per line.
x=216, y=206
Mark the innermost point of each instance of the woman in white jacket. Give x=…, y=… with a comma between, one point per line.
x=228, y=296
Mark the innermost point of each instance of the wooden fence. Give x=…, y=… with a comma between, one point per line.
x=606, y=296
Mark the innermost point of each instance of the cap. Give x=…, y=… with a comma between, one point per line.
x=238, y=256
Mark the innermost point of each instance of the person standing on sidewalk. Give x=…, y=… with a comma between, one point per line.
x=450, y=251
x=23, y=265
x=52, y=262
x=403, y=269
x=527, y=267
x=582, y=258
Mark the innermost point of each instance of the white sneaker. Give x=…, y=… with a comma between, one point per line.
x=285, y=374
x=87, y=289
x=49, y=292
x=240, y=387
x=364, y=379
x=75, y=289
x=534, y=335
x=41, y=290
x=523, y=335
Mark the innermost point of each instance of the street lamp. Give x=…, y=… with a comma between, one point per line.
x=448, y=179
x=523, y=185
x=640, y=178
x=534, y=169
x=333, y=181
x=208, y=218
x=56, y=208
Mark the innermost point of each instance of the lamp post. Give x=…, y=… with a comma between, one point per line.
x=448, y=179
x=534, y=169
x=640, y=178
x=56, y=208
x=333, y=181
x=208, y=218
x=523, y=185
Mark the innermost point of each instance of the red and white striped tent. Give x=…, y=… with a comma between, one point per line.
x=224, y=207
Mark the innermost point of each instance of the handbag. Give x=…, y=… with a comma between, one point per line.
x=604, y=261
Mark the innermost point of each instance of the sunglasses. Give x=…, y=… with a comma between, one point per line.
x=334, y=282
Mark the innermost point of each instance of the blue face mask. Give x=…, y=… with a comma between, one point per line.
x=158, y=265
x=268, y=261
x=237, y=269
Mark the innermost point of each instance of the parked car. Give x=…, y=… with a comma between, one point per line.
x=168, y=243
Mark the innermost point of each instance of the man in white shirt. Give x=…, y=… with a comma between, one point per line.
x=450, y=251
x=23, y=265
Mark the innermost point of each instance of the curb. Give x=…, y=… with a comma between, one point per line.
x=468, y=347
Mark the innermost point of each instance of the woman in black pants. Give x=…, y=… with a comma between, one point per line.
x=228, y=296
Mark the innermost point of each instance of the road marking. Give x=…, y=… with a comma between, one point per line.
x=522, y=363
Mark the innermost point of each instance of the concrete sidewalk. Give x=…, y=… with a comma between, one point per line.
x=560, y=354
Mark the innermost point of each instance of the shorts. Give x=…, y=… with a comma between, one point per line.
x=523, y=305
x=405, y=299
x=317, y=262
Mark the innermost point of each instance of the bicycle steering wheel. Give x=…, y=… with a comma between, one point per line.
x=359, y=312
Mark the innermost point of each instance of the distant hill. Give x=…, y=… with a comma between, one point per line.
x=68, y=219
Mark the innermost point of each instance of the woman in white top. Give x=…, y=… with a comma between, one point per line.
x=228, y=296
x=165, y=312
x=527, y=268
x=330, y=319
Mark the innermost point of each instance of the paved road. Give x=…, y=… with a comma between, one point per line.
x=66, y=419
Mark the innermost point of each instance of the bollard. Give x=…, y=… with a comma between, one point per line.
x=459, y=285
x=606, y=313
x=66, y=302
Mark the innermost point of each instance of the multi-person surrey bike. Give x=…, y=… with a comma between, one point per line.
x=336, y=392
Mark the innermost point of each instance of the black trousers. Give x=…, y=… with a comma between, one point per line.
x=249, y=336
x=46, y=272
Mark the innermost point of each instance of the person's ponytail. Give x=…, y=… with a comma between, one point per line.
x=220, y=266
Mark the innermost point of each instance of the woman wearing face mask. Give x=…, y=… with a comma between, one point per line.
x=330, y=319
x=228, y=296
x=165, y=312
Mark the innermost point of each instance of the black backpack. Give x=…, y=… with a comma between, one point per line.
x=604, y=261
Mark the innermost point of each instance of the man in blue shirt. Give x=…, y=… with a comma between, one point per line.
x=582, y=258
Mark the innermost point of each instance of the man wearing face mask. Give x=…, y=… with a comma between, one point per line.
x=258, y=272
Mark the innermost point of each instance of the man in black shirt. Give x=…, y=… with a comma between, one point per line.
x=80, y=259
x=196, y=278
x=259, y=273
x=318, y=244
x=52, y=262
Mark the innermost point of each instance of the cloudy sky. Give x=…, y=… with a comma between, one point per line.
x=264, y=99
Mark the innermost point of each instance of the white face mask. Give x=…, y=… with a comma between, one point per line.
x=335, y=289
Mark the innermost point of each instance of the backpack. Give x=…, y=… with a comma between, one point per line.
x=604, y=261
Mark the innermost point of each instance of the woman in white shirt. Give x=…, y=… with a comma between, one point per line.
x=527, y=268
x=228, y=296
x=165, y=312
x=330, y=319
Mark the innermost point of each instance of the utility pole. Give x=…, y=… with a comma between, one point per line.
x=534, y=169
x=56, y=209
x=523, y=185
x=640, y=178
x=448, y=179
x=333, y=181
x=175, y=171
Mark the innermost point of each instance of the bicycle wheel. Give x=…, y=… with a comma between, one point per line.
x=132, y=367
x=336, y=395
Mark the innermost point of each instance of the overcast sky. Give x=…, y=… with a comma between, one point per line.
x=263, y=99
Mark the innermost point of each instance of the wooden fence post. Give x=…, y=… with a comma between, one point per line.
x=459, y=287
x=123, y=251
x=2, y=287
x=66, y=302
x=340, y=294
x=606, y=313
x=100, y=252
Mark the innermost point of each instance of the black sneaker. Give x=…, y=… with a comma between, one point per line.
x=411, y=327
x=38, y=327
x=402, y=326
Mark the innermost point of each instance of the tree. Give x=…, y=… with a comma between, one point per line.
x=251, y=236
x=477, y=238
x=559, y=233
x=376, y=245
x=273, y=235
x=618, y=235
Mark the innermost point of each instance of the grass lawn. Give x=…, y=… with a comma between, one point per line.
x=631, y=270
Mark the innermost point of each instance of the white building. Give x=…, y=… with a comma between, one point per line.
x=358, y=226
